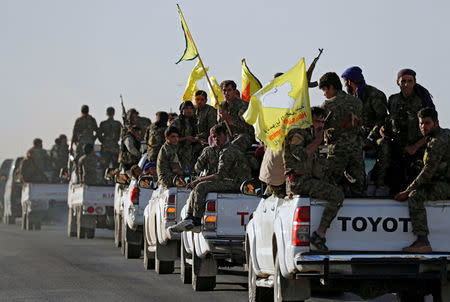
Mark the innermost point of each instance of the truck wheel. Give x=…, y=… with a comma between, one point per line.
x=130, y=251
x=410, y=296
x=443, y=293
x=8, y=219
x=185, y=268
x=202, y=283
x=24, y=221
x=280, y=284
x=71, y=224
x=80, y=230
x=163, y=267
x=123, y=235
x=37, y=225
x=149, y=257
x=117, y=231
x=28, y=223
x=255, y=293
x=90, y=233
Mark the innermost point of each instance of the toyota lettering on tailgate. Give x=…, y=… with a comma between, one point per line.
x=387, y=224
x=242, y=214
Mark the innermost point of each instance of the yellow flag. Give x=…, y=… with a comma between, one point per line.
x=190, y=53
x=191, y=87
x=250, y=84
x=215, y=103
x=280, y=106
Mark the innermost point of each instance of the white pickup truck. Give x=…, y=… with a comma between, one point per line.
x=220, y=242
x=364, y=240
x=13, y=192
x=129, y=204
x=39, y=201
x=90, y=207
x=161, y=247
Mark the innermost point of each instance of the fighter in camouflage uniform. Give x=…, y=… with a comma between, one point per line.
x=109, y=134
x=374, y=114
x=133, y=118
x=402, y=142
x=231, y=159
x=231, y=111
x=208, y=161
x=60, y=154
x=39, y=156
x=433, y=181
x=155, y=136
x=29, y=171
x=83, y=132
x=188, y=143
x=87, y=166
x=131, y=144
x=345, y=156
x=206, y=115
x=168, y=164
x=301, y=155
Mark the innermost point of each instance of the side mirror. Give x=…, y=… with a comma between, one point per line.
x=146, y=182
x=179, y=181
x=109, y=174
x=122, y=179
x=252, y=188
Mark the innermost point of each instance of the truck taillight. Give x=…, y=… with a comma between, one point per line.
x=210, y=206
x=171, y=213
x=171, y=198
x=134, y=196
x=301, y=226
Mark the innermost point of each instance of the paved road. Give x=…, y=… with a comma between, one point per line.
x=47, y=266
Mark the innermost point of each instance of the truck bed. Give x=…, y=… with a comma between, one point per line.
x=99, y=195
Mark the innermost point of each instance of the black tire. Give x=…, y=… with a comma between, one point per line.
x=71, y=224
x=163, y=267
x=28, y=223
x=122, y=236
x=132, y=251
x=8, y=219
x=149, y=257
x=37, y=226
x=81, y=231
x=185, y=268
x=117, y=231
x=90, y=233
x=201, y=283
x=255, y=293
x=410, y=296
x=279, y=284
x=24, y=221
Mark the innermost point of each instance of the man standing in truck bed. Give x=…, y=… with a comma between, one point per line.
x=109, y=134
x=433, y=181
x=83, y=132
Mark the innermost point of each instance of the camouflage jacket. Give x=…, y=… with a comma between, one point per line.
x=374, y=112
x=436, y=160
x=87, y=169
x=236, y=109
x=233, y=164
x=342, y=125
x=208, y=161
x=155, y=140
x=403, y=123
x=206, y=119
x=60, y=156
x=185, y=131
x=29, y=172
x=166, y=164
x=40, y=158
x=109, y=133
x=83, y=130
x=126, y=158
x=296, y=159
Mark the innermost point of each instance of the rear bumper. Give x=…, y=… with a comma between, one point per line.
x=227, y=248
x=373, y=266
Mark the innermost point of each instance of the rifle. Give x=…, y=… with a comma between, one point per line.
x=124, y=112
x=311, y=69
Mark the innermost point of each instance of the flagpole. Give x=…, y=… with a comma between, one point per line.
x=204, y=70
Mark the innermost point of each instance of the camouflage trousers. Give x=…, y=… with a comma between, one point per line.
x=110, y=158
x=197, y=199
x=243, y=141
x=319, y=189
x=277, y=191
x=437, y=191
x=345, y=166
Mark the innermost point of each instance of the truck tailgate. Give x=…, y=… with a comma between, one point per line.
x=381, y=225
x=44, y=192
x=233, y=212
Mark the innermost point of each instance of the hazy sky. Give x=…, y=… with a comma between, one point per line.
x=56, y=55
